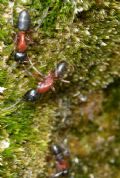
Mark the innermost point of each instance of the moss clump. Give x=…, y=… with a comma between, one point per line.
x=86, y=35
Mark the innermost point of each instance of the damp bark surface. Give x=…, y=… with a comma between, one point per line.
x=84, y=114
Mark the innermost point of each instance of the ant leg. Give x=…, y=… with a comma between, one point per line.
x=11, y=55
x=35, y=69
x=16, y=38
x=53, y=89
x=30, y=41
x=59, y=174
x=28, y=72
x=65, y=81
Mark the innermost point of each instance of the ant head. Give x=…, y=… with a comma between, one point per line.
x=60, y=69
x=56, y=149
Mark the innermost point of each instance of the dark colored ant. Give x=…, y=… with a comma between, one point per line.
x=47, y=83
x=62, y=166
x=21, y=39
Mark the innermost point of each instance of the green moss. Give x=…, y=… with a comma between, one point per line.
x=86, y=35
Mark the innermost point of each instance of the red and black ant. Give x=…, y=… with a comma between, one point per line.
x=62, y=165
x=47, y=83
x=21, y=39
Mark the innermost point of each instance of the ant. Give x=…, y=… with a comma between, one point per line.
x=21, y=39
x=47, y=83
x=62, y=165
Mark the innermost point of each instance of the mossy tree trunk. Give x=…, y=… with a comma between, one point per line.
x=84, y=112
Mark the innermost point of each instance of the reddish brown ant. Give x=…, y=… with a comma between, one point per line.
x=47, y=83
x=62, y=165
x=21, y=39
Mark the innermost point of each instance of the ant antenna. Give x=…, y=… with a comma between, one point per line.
x=35, y=69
